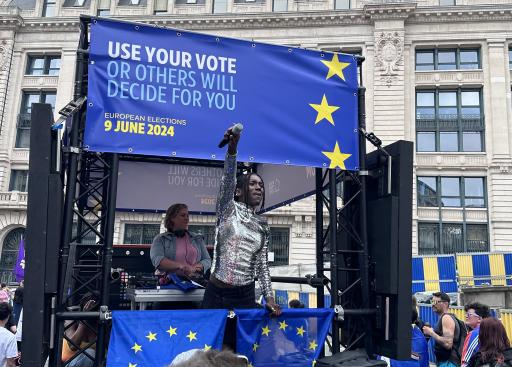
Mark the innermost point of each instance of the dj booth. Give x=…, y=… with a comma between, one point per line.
x=133, y=285
x=139, y=298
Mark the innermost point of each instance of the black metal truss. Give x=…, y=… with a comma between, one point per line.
x=91, y=182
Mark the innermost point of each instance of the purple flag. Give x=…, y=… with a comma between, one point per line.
x=19, y=269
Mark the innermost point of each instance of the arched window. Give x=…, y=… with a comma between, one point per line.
x=10, y=254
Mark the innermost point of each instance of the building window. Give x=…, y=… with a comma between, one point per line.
x=279, y=245
x=208, y=232
x=103, y=8
x=23, y=126
x=9, y=254
x=477, y=238
x=160, y=7
x=19, y=180
x=342, y=4
x=467, y=192
x=220, y=6
x=43, y=65
x=449, y=238
x=449, y=121
x=448, y=59
x=140, y=234
x=279, y=5
x=447, y=2
x=49, y=8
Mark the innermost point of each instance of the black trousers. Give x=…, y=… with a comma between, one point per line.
x=229, y=298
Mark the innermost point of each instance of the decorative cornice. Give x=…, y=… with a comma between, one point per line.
x=387, y=11
x=409, y=12
x=257, y=20
x=465, y=13
x=10, y=18
x=42, y=24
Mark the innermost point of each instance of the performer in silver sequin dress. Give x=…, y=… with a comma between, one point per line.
x=241, y=241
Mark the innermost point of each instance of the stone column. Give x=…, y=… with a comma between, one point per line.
x=498, y=145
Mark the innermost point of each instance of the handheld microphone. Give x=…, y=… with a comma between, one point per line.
x=235, y=130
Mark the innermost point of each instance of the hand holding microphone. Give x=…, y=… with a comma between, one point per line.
x=232, y=135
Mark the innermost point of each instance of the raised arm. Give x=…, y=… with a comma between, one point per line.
x=228, y=181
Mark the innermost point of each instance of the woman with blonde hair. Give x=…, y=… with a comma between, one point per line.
x=177, y=250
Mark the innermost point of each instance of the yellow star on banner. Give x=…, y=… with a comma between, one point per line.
x=300, y=331
x=172, y=331
x=313, y=345
x=337, y=158
x=255, y=346
x=151, y=336
x=283, y=325
x=137, y=348
x=132, y=365
x=191, y=336
x=207, y=347
x=265, y=330
x=324, y=111
x=335, y=67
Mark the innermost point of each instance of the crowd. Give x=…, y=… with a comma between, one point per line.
x=11, y=320
x=478, y=341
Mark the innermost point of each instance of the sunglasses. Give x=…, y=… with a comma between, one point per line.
x=435, y=302
x=469, y=314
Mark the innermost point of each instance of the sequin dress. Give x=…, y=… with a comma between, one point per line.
x=241, y=238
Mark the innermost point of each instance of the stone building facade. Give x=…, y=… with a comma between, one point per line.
x=437, y=72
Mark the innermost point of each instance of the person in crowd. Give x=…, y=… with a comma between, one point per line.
x=8, y=346
x=210, y=358
x=5, y=288
x=495, y=348
x=475, y=313
x=178, y=250
x=295, y=303
x=17, y=302
x=242, y=239
x=81, y=335
x=416, y=321
x=444, y=332
x=4, y=295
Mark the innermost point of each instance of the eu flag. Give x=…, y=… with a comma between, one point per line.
x=155, y=338
x=293, y=339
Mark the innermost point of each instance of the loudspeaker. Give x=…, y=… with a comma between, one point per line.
x=389, y=213
x=44, y=216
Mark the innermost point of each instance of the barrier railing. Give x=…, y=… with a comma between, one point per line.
x=447, y=273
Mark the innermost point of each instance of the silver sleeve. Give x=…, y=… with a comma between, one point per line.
x=262, y=269
x=227, y=186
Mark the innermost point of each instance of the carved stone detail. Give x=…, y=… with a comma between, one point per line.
x=5, y=52
x=390, y=50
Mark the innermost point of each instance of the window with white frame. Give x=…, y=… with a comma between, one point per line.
x=140, y=233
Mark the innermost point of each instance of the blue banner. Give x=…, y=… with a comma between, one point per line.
x=164, y=92
x=155, y=338
x=295, y=338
